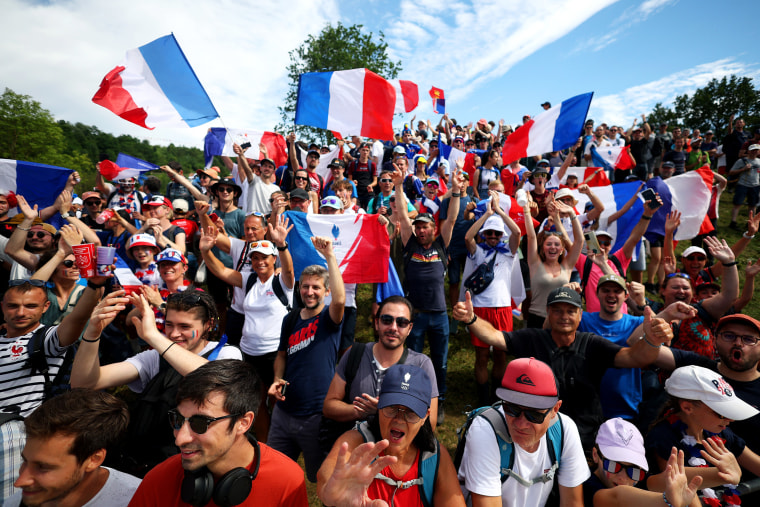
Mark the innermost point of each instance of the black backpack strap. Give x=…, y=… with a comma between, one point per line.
x=617, y=264
x=352, y=364
x=586, y=272
x=280, y=292
x=37, y=358
x=251, y=281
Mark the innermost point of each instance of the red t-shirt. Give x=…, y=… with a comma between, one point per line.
x=188, y=226
x=409, y=497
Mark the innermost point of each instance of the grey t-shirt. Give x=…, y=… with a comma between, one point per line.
x=116, y=492
x=369, y=376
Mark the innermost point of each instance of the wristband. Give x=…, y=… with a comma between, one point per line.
x=640, y=307
x=729, y=264
x=282, y=248
x=665, y=499
x=167, y=348
x=650, y=343
x=456, y=194
x=91, y=341
x=474, y=318
x=94, y=286
x=644, y=217
x=747, y=237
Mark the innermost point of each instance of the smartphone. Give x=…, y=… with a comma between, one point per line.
x=245, y=145
x=214, y=217
x=592, y=242
x=283, y=389
x=650, y=197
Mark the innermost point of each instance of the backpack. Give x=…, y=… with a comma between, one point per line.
x=38, y=362
x=427, y=464
x=555, y=443
x=276, y=287
x=589, y=264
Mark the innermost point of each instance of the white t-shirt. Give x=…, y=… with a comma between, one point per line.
x=263, y=317
x=377, y=152
x=238, y=293
x=481, y=465
x=258, y=195
x=498, y=293
x=148, y=363
x=243, y=199
x=350, y=289
x=116, y=492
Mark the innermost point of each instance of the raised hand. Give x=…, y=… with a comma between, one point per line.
x=29, y=212
x=208, y=239
x=104, y=313
x=279, y=233
x=717, y=455
x=720, y=249
x=145, y=324
x=462, y=311
x=323, y=245
x=672, y=221
x=678, y=490
x=353, y=473
x=71, y=235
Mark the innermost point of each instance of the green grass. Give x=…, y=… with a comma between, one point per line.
x=461, y=383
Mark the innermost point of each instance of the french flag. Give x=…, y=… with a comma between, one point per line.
x=614, y=197
x=126, y=278
x=155, y=85
x=353, y=101
x=219, y=141
x=591, y=176
x=688, y=193
x=360, y=243
x=612, y=157
x=40, y=184
x=552, y=130
x=128, y=161
x=113, y=172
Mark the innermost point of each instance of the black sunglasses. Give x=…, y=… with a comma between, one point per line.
x=187, y=297
x=22, y=281
x=401, y=322
x=533, y=416
x=306, y=178
x=39, y=234
x=68, y=263
x=198, y=423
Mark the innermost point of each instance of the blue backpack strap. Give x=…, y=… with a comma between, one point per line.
x=503, y=440
x=428, y=468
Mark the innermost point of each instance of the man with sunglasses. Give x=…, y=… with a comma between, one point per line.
x=219, y=456
x=530, y=408
x=22, y=388
x=353, y=395
x=93, y=204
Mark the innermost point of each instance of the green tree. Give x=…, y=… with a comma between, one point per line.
x=660, y=115
x=711, y=106
x=335, y=48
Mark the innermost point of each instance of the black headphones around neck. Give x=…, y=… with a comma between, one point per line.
x=233, y=488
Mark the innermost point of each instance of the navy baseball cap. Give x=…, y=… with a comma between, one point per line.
x=408, y=386
x=564, y=295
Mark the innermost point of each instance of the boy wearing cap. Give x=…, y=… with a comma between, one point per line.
x=530, y=405
x=142, y=249
x=494, y=303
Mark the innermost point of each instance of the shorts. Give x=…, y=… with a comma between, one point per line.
x=658, y=242
x=500, y=318
x=749, y=193
x=455, y=267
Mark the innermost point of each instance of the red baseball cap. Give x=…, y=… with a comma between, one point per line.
x=530, y=383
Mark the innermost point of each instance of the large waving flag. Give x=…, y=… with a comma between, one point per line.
x=689, y=193
x=612, y=157
x=113, y=172
x=219, y=141
x=614, y=197
x=591, y=176
x=552, y=130
x=360, y=243
x=40, y=184
x=155, y=85
x=128, y=161
x=355, y=101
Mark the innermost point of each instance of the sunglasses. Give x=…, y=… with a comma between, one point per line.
x=226, y=190
x=198, y=423
x=263, y=244
x=533, y=416
x=68, y=263
x=747, y=339
x=22, y=281
x=401, y=322
x=393, y=410
x=604, y=242
x=493, y=233
x=613, y=467
x=303, y=178
x=92, y=203
x=386, y=180
x=39, y=234
x=696, y=258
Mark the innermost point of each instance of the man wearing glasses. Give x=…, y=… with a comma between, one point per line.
x=530, y=406
x=93, y=204
x=220, y=458
x=579, y=360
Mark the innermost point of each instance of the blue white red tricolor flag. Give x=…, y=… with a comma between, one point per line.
x=360, y=243
x=130, y=162
x=40, y=184
x=688, y=193
x=591, y=176
x=155, y=85
x=552, y=130
x=353, y=101
x=113, y=172
x=126, y=278
x=439, y=101
x=219, y=141
x=612, y=157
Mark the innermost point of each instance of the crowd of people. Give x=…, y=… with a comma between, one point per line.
x=615, y=369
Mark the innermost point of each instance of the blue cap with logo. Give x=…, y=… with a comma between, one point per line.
x=408, y=386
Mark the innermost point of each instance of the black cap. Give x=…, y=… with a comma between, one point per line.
x=229, y=182
x=547, y=103
x=299, y=193
x=564, y=295
x=337, y=163
x=424, y=217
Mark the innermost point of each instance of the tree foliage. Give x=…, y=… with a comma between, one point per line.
x=29, y=132
x=711, y=106
x=335, y=48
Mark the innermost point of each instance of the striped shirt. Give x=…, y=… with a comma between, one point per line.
x=18, y=387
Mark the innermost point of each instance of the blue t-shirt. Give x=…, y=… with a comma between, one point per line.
x=312, y=354
x=620, y=387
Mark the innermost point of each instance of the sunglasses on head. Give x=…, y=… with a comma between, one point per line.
x=39, y=234
x=533, y=416
x=678, y=275
x=22, y=281
x=613, y=467
x=186, y=297
x=401, y=322
x=198, y=423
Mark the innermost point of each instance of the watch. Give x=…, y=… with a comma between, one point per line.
x=65, y=215
x=282, y=248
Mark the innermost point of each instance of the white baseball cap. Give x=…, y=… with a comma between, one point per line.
x=700, y=384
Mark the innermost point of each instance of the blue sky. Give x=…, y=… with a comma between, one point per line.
x=494, y=59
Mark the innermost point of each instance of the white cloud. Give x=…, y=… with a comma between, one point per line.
x=58, y=53
x=621, y=108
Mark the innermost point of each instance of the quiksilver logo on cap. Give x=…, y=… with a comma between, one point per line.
x=525, y=380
